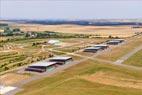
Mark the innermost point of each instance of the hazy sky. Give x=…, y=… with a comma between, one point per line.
x=70, y=9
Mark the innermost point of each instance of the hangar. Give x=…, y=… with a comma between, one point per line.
x=61, y=59
x=42, y=66
x=102, y=46
x=92, y=49
x=115, y=41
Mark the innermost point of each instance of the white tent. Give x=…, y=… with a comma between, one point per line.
x=6, y=89
x=54, y=42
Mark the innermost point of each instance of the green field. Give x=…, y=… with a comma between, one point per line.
x=135, y=60
x=16, y=53
x=120, y=51
x=70, y=82
x=20, y=52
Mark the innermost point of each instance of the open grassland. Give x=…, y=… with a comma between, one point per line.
x=135, y=60
x=12, y=78
x=74, y=45
x=121, y=50
x=101, y=31
x=80, y=80
x=3, y=38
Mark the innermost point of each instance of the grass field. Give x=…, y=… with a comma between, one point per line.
x=121, y=50
x=72, y=81
x=74, y=45
x=135, y=60
x=21, y=52
x=103, y=31
x=11, y=78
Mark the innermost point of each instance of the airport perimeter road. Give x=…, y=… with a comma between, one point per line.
x=125, y=57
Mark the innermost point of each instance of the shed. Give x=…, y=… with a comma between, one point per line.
x=61, y=59
x=113, y=42
x=92, y=49
x=102, y=46
x=41, y=66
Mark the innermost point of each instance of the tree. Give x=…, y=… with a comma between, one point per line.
x=110, y=36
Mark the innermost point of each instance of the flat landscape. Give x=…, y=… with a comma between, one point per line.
x=121, y=50
x=115, y=70
x=100, y=31
x=135, y=60
x=89, y=77
x=70, y=47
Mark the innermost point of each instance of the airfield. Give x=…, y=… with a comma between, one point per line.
x=112, y=71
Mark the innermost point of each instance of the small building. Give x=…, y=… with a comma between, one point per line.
x=112, y=42
x=61, y=59
x=92, y=49
x=41, y=66
x=102, y=46
x=120, y=40
x=115, y=41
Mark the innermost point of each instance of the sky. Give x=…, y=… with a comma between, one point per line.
x=70, y=9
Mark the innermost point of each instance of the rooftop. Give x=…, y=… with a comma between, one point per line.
x=43, y=63
x=93, y=48
x=111, y=41
x=100, y=45
x=60, y=58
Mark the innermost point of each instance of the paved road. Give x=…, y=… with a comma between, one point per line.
x=128, y=55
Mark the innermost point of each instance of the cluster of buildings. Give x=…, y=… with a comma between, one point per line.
x=96, y=48
x=50, y=64
x=56, y=61
x=99, y=47
x=115, y=41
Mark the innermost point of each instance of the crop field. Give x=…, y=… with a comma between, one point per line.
x=135, y=60
x=19, y=53
x=100, y=31
x=84, y=78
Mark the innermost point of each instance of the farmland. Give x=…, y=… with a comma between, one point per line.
x=18, y=53
x=97, y=31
